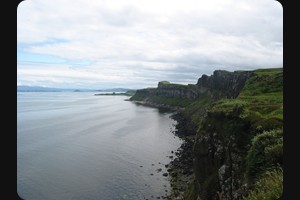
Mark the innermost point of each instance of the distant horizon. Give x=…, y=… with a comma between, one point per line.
x=119, y=87
x=37, y=87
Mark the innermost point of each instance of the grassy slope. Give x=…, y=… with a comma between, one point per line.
x=259, y=107
x=163, y=100
x=264, y=93
x=259, y=104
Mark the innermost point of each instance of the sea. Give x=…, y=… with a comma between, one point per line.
x=75, y=145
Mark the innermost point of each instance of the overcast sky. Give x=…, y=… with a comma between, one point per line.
x=136, y=43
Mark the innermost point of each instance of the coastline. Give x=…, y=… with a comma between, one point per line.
x=157, y=105
x=180, y=169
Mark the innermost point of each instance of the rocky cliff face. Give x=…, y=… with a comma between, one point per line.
x=220, y=84
x=230, y=114
x=169, y=91
x=220, y=149
x=177, y=91
x=228, y=83
x=227, y=131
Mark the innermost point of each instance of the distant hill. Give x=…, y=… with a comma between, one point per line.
x=113, y=90
x=23, y=88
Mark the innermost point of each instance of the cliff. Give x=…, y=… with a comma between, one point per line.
x=240, y=140
x=236, y=119
x=228, y=83
x=222, y=84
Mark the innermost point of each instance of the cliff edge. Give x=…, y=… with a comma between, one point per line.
x=236, y=119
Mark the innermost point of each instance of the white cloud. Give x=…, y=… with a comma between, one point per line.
x=137, y=43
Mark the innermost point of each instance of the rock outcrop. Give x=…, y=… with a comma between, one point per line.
x=228, y=83
x=220, y=84
x=235, y=122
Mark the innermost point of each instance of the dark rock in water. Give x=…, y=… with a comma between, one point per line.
x=158, y=197
x=151, y=174
x=171, y=157
x=165, y=174
x=172, y=151
x=169, y=170
x=152, y=164
x=159, y=170
x=166, y=166
x=174, y=174
x=141, y=166
x=159, y=163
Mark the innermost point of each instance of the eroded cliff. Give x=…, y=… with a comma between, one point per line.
x=237, y=120
x=222, y=84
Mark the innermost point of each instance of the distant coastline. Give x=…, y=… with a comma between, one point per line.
x=127, y=93
x=24, y=88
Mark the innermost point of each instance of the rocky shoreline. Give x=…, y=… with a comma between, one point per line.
x=180, y=169
x=238, y=118
x=156, y=105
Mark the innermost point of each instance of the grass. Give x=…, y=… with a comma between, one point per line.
x=227, y=107
x=164, y=82
x=257, y=114
x=264, y=81
x=268, y=187
x=192, y=191
x=266, y=151
x=196, y=110
x=171, y=101
x=130, y=92
x=254, y=119
x=264, y=93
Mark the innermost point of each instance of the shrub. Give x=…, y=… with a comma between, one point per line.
x=267, y=124
x=266, y=151
x=268, y=187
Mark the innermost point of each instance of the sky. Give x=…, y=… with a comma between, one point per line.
x=97, y=44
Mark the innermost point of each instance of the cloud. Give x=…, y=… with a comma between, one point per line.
x=137, y=43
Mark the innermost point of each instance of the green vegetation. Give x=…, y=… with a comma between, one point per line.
x=127, y=93
x=164, y=82
x=243, y=133
x=266, y=151
x=158, y=95
x=196, y=110
x=143, y=94
x=130, y=92
x=264, y=93
x=268, y=187
x=255, y=120
x=192, y=191
x=171, y=101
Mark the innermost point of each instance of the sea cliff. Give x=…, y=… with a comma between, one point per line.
x=233, y=125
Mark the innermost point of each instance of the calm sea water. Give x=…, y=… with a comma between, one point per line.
x=80, y=146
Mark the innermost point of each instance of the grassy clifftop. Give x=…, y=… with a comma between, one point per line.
x=237, y=118
x=240, y=141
